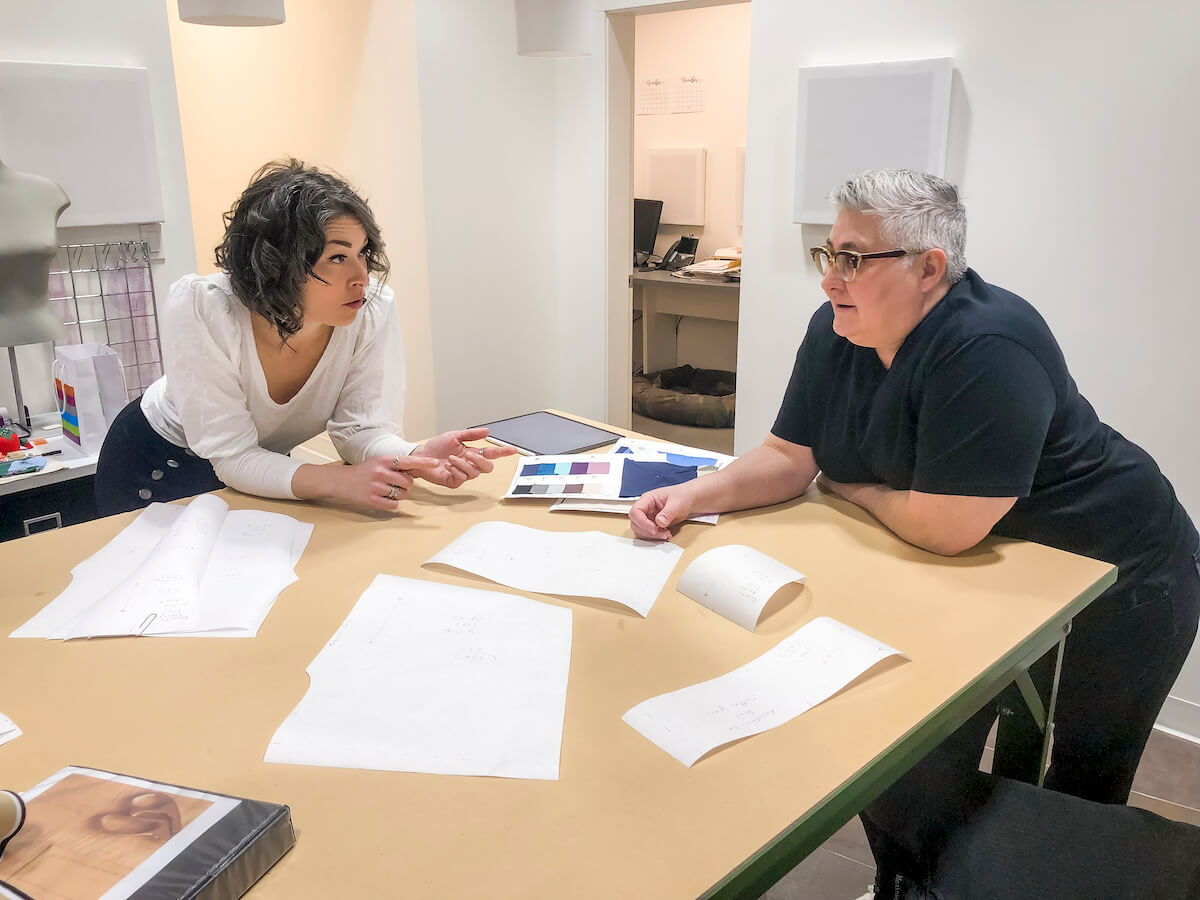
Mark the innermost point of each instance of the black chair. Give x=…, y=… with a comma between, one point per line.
x=1025, y=842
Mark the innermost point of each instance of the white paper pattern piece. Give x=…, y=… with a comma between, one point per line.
x=687, y=94
x=811, y=665
x=428, y=677
x=577, y=564
x=652, y=97
x=199, y=570
x=736, y=581
x=8, y=729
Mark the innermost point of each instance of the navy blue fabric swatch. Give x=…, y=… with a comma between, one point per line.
x=637, y=477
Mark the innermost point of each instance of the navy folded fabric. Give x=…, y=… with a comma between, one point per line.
x=637, y=476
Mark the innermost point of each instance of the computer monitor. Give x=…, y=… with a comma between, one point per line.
x=646, y=215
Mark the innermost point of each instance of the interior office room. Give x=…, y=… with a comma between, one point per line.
x=689, y=133
x=502, y=184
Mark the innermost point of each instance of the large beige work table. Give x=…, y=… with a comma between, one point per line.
x=624, y=819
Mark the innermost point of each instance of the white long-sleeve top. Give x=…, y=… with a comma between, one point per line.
x=213, y=399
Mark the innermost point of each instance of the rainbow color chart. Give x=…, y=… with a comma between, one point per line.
x=580, y=475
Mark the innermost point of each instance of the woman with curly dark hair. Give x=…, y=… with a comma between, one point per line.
x=297, y=335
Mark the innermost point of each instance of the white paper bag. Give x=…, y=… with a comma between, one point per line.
x=90, y=386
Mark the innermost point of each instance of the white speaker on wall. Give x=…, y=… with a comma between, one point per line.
x=676, y=177
x=89, y=128
x=886, y=115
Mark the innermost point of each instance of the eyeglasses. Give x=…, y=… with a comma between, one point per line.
x=847, y=262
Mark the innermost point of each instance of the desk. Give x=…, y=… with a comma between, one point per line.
x=660, y=295
x=60, y=494
x=624, y=819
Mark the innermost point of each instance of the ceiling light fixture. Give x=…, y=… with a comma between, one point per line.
x=232, y=12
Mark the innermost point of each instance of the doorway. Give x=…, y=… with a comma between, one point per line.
x=678, y=86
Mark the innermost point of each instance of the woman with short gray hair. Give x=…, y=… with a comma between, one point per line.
x=943, y=406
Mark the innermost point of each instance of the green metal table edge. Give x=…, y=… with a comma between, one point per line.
x=783, y=852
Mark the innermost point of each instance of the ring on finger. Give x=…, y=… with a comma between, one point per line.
x=395, y=465
x=394, y=493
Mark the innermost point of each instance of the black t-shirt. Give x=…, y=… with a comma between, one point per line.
x=978, y=402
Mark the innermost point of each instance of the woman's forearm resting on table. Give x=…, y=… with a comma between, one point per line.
x=771, y=473
x=942, y=523
x=318, y=482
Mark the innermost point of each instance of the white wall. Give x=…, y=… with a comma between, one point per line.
x=488, y=146
x=128, y=33
x=581, y=254
x=1074, y=137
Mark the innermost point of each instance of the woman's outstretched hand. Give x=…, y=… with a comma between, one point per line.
x=378, y=482
x=461, y=462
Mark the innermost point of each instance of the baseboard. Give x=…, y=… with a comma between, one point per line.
x=1165, y=808
x=1180, y=718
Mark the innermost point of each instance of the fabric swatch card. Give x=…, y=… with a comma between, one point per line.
x=196, y=569
x=810, y=665
x=580, y=475
x=704, y=461
x=595, y=476
x=577, y=564
x=428, y=677
x=736, y=582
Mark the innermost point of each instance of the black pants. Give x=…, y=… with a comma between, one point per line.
x=1119, y=663
x=138, y=466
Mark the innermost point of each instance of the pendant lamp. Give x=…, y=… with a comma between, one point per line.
x=232, y=12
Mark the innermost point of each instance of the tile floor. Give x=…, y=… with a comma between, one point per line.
x=1167, y=782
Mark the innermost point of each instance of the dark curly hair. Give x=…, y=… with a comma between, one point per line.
x=275, y=233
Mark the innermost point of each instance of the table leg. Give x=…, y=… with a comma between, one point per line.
x=1048, y=731
x=1026, y=728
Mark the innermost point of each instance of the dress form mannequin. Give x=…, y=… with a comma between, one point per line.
x=29, y=209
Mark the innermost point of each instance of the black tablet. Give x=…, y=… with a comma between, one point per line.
x=547, y=434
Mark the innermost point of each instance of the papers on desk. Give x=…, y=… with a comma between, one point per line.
x=8, y=729
x=718, y=269
x=428, y=677
x=577, y=564
x=811, y=665
x=677, y=454
x=198, y=570
x=736, y=582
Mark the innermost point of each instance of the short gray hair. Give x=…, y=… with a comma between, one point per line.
x=917, y=211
